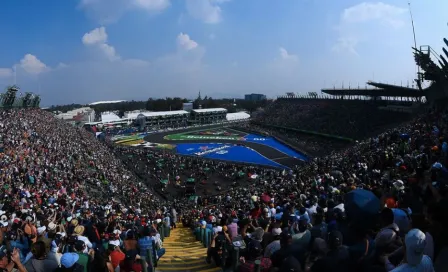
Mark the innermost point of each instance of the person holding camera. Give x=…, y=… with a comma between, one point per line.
x=8, y=264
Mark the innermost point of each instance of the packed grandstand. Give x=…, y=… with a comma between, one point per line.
x=369, y=193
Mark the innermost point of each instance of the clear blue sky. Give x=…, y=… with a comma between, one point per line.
x=78, y=51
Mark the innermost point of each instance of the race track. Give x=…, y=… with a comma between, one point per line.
x=271, y=150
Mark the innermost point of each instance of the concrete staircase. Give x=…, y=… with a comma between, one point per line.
x=184, y=253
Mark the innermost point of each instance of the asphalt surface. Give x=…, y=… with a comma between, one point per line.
x=267, y=151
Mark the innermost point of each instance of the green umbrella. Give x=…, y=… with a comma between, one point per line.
x=206, y=169
x=164, y=181
x=182, y=165
x=160, y=165
x=190, y=180
x=241, y=173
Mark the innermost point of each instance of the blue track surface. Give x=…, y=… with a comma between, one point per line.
x=228, y=152
x=269, y=141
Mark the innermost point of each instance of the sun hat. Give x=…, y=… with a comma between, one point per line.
x=79, y=230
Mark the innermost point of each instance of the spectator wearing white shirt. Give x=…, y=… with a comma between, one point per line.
x=79, y=231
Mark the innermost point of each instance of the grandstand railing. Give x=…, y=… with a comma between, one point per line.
x=345, y=97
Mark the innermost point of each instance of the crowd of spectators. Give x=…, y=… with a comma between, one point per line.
x=71, y=203
x=67, y=203
x=355, y=119
x=380, y=205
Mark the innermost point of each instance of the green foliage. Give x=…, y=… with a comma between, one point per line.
x=167, y=104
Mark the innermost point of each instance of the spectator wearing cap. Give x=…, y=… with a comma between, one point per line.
x=40, y=261
x=414, y=260
x=42, y=236
x=79, y=231
x=69, y=263
x=274, y=245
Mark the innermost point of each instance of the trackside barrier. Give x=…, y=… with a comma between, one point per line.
x=161, y=231
x=167, y=230
x=209, y=238
x=197, y=233
x=203, y=231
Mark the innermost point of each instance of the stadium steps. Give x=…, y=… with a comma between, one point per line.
x=184, y=253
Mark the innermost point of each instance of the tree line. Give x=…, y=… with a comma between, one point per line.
x=167, y=104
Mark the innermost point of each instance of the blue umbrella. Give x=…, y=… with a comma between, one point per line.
x=360, y=203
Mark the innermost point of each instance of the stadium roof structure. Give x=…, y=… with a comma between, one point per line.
x=381, y=89
x=109, y=116
x=133, y=115
x=209, y=110
x=106, y=102
x=237, y=116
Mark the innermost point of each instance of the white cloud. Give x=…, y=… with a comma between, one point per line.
x=185, y=42
x=6, y=72
x=109, y=11
x=96, y=36
x=62, y=65
x=380, y=11
x=346, y=44
x=109, y=51
x=152, y=5
x=364, y=21
x=32, y=65
x=287, y=56
x=208, y=11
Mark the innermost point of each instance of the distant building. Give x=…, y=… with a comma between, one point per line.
x=208, y=116
x=255, y=97
x=78, y=116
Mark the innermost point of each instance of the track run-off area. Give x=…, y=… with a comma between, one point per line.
x=225, y=143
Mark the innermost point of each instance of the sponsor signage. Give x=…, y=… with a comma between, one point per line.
x=218, y=149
